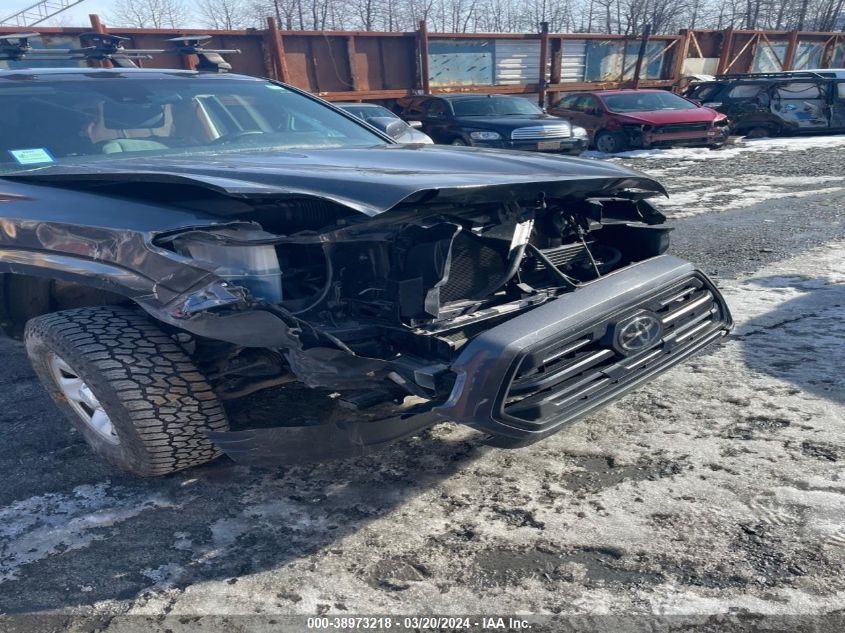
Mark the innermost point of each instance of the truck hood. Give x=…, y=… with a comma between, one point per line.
x=369, y=180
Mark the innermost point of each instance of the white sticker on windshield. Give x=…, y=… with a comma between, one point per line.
x=34, y=156
x=274, y=87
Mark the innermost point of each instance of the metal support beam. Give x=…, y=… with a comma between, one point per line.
x=352, y=58
x=422, y=54
x=277, y=50
x=98, y=27
x=681, y=52
x=542, y=82
x=791, y=50
x=725, y=53
x=641, y=54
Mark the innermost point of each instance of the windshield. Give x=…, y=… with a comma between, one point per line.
x=495, y=106
x=646, y=102
x=705, y=91
x=62, y=121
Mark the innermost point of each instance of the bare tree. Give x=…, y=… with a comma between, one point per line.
x=459, y=16
x=154, y=14
x=225, y=14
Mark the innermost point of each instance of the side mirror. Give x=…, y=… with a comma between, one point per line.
x=414, y=124
x=394, y=128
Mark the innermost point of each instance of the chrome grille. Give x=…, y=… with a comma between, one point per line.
x=558, y=130
x=561, y=380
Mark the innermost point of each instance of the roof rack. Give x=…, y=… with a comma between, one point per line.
x=784, y=74
x=106, y=47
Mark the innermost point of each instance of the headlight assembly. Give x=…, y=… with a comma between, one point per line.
x=579, y=132
x=484, y=135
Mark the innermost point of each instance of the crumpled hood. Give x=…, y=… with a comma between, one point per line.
x=369, y=180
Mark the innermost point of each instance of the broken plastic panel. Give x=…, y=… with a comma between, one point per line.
x=255, y=267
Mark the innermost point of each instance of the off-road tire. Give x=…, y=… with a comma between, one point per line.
x=158, y=402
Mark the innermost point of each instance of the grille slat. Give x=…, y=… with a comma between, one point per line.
x=552, y=381
x=541, y=132
x=676, y=333
x=538, y=381
x=692, y=332
x=705, y=298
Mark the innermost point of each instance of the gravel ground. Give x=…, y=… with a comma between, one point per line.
x=717, y=489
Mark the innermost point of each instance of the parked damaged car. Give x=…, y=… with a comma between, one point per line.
x=761, y=105
x=619, y=120
x=490, y=120
x=170, y=240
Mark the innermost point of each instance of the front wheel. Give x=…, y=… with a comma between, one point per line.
x=610, y=142
x=458, y=142
x=759, y=132
x=131, y=391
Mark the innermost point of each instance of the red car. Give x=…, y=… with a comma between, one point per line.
x=617, y=120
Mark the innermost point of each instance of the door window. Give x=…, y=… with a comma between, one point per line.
x=745, y=91
x=568, y=103
x=705, y=92
x=589, y=105
x=799, y=90
x=415, y=107
x=437, y=110
x=801, y=103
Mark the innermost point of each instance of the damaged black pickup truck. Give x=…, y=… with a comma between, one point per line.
x=170, y=240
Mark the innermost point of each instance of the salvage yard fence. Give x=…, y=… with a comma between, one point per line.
x=380, y=66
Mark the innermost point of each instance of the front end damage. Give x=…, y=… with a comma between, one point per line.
x=509, y=313
x=696, y=134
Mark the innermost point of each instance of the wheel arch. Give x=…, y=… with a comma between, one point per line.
x=27, y=292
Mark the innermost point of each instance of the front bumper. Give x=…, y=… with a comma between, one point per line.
x=711, y=136
x=568, y=145
x=529, y=377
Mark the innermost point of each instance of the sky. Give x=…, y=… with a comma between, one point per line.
x=75, y=16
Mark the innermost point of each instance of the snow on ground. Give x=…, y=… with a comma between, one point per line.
x=691, y=195
x=715, y=489
x=740, y=146
x=51, y=524
x=707, y=195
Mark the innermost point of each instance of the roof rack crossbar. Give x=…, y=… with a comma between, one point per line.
x=107, y=47
x=783, y=74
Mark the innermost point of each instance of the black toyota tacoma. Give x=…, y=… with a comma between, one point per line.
x=170, y=240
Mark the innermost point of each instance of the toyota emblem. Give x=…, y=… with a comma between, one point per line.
x=640, y=332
